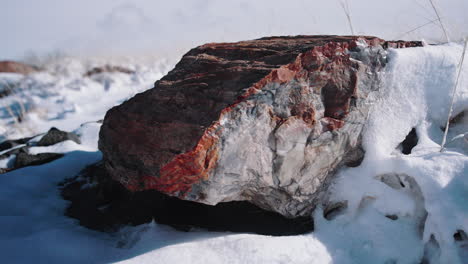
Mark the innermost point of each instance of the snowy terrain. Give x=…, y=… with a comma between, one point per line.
x=417, y=85
x=62, y=96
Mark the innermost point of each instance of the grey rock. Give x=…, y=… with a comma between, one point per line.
x=15, y=151
x=8, y=144
x=25, y=159
x=54, y=136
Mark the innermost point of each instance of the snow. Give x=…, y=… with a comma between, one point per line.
x=417, y=84
x=63, y=97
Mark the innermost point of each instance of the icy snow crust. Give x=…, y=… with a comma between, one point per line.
x=434, y=201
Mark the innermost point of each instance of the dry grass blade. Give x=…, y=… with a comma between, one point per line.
x=460, y=65
x=9, y=109
x=440, y=20
x=345, y=6
x=416, y=28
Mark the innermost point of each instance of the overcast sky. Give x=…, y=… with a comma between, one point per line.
x=124, y=27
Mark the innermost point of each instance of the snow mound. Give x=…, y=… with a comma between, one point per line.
x=417, y=88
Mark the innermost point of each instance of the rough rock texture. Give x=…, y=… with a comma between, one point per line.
x=264, y=121
x=16, y=67
x=54, y=136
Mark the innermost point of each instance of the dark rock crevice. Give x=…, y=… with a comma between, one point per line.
x=409, y=143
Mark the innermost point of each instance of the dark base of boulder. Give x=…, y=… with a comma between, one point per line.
x=107, y=205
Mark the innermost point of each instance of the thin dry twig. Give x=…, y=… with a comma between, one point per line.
x=460, y=65
x=416, y=28
x=440, y=20
x=344, y=4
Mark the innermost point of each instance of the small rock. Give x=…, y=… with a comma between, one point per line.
x=108, y=68
x=392, y=217
x=25, y=159
x=15, y=151
x=460, y=235
x=4, y=170
x=334, y=209
x=8, y=144
x=55, y=136
x=354, y=158
x=393, y=180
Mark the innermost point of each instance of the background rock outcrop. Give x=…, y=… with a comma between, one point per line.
x=17, y=67
x=265, y=121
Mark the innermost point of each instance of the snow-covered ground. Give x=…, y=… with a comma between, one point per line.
x=431, y=199
x=62, y=96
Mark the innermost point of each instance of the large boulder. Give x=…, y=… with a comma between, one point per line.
x=266, y=121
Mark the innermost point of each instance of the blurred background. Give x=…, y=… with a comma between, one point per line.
x=167, y=28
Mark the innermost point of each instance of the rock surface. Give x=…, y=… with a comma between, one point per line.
x=265, y=121
x=14, y=151
x=8, y=144
x=20, y=149
x=54, y=136
x=16, y=67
